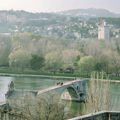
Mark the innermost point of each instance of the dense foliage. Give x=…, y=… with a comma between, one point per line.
x=33, y=52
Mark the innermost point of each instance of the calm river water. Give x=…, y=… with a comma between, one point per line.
x=35, y=83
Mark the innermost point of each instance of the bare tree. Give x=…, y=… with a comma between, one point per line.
x=98, y=92
x=45, y=107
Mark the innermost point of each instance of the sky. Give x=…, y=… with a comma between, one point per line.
x=58, y=5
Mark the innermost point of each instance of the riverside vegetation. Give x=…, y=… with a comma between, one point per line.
x=31, y=53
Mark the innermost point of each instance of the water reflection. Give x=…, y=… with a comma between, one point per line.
x=34, y=83
x=73, y=109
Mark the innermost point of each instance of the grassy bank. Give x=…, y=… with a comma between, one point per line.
x=32, y=73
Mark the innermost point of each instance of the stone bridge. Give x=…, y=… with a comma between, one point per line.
x=73, y=90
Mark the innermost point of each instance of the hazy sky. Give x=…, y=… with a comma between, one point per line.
x=58, y=5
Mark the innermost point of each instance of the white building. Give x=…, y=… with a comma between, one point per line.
x=103, y=31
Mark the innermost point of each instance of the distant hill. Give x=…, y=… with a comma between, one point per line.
x=71, y=24
x=90, y=12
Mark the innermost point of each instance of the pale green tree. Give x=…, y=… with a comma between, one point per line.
x=86, y=64
x=53, y=61
x=19, y=59
x=5, y=49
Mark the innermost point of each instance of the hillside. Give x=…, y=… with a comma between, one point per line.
x=72, y=24
x=90, y=12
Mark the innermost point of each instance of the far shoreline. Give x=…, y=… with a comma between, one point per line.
x=37, y=75
x=50, y=76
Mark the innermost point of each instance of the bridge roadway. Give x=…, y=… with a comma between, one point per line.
x=58, y=86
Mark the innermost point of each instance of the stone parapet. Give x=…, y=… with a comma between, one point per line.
x=103, y=115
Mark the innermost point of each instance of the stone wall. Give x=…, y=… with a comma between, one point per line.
x=104, y=115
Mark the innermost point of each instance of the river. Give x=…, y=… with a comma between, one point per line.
x=37, y=83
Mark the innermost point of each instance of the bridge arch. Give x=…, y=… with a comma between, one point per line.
x=70, y=93
x=72, y=90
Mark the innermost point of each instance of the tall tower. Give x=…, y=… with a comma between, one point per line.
x=103, y=31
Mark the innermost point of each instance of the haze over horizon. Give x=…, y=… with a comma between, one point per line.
x=59, y=5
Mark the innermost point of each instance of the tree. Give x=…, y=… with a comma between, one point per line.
x=99, y=92
x=86, y=64
x=37, y=62
x=110, y=60
x=102, y=64
x=43, y=107
x=19, y=59
x=53, y=61
x=5, y=49
x=115, y=63
x=69, y=56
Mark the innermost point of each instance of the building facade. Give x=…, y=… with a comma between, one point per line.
x=103, y=31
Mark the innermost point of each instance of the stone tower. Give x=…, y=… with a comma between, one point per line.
x=10, y=89
x=103, y=31
x=11, y=86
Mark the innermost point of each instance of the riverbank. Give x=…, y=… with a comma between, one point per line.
x=35, y=75
x=51, y=77
x=57, y=75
